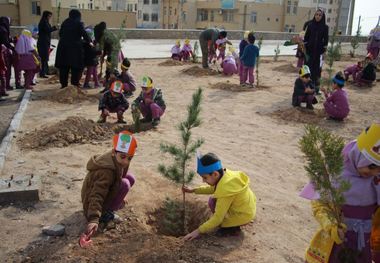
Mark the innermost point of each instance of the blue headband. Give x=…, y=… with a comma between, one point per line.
x=338, y=81
x=208, y=169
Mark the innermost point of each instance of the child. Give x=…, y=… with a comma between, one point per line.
x=304, y=89
x=248, y=59
x=300, y=54
x=187, y=50
x=127, y=78
x=211, y=51
x=28, y=58
x=361, y=169
x=233, y=203
x=176, y=51
x=113, y=100
x=108, y=181
x=242, y=45
x=150, y=102
x=336, y=104
x=221, y=44
x=91, y=61
x=229, y=65
x=3, y=70
x=368, y=75
x=353, y=70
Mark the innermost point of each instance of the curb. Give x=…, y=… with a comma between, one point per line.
x=15, y=123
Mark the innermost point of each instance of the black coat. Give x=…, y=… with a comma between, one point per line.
x=70, y=46
x=316, y=38
x=44, y=38
x=91, y=55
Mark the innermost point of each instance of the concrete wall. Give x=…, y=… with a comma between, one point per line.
x=11, y=11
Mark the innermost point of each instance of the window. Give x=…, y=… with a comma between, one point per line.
x=329, y=11
x=170, y=10
x=331, y=2
x=154, y=17
x=295, y=6
x=228, y=16
x=253, y=17
x=135, y=7
x=212, y=15
x=202, y=15
x=289, y=7
x=145, y=17
x=139, y=14
x=154, y=2
x=36, y=8
x=268, y=19
x=146, y=2
x=276, y=19
x=183, y=16
x=328, y=20
x=293, y=29
x=286, y=29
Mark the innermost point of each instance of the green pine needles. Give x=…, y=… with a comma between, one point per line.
x=186, y=151
x=194, y=54
x=355, y=42
x=323, y=152
x=276, y=52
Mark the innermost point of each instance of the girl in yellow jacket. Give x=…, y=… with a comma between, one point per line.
x=233, y=203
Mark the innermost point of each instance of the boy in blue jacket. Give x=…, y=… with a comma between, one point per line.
x=248, y=60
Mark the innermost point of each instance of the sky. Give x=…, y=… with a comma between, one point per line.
x=370, y=12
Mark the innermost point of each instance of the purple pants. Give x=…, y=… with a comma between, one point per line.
x=128, y=87
x=351, y=71
x=91, y=71
x=360, y=81
x=248, y=73
x=152, y=110
x=229, y=68
x=126, y=184
x=119, y=111
x=306, y=98
x=351, y=237
x=186, y=55
x=333, y=112
x=222, y=54
x=176, y=57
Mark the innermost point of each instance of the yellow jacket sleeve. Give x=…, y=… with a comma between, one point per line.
x=329, y=225
x=204, y=190
x=221, y=209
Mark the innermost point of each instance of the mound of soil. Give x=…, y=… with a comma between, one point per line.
x=286, y=68
x=70, y=94
x=172, y=62
x=73, y=130
x=167, y=219
x=198, y=71
x=300, y=115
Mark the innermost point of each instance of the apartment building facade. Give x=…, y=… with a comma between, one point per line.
x=148, y=13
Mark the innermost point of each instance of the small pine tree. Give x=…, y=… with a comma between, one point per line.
x=333, y=54
x=355, y=42
x=194, y=54
x=121, y=32
x=276, y=52
x=182, y=154
x=259, y=43
x=136, y=118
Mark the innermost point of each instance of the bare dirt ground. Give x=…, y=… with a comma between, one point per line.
x=8, y=107
x=256, y=131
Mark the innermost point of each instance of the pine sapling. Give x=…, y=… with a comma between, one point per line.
x=259, y=43
x=323, y=152
x=136, y=118
x=276, y=52
x=194, y=54
x=355, y=42
x=333, y=54
x=182, y=154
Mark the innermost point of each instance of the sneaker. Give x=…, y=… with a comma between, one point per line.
x=117, y=219
x=121, y=121
x=155, y=122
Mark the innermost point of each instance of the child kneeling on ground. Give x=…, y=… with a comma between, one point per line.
x=233, y=203
x=336, y=104
x=303, y=89
x=150, y=102
x=113, y=100
x=108, y=182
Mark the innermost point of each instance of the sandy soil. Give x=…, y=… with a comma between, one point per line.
x=256, y=131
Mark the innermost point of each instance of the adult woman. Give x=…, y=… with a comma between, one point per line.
x=8, y=52
x=70, y=54
x=316, y=41
x=43, y=42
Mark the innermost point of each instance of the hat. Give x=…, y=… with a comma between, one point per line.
x=302, y=34
x=369, y=143
x=207, y=169
x=231, y=49
x=125, y=64
x=147, y=82
x=124, y=142
x=304, y=70
x=246, y=34
x=178, y=42
x=187, y=41
x=117, y=86
x=338, y=79
x=26, y=32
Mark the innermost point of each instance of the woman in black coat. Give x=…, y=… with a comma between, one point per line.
x=316, y=41
x=43, y=42
x=70, y=54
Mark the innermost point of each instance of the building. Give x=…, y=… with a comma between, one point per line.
x=148, y=13
x=124, y=5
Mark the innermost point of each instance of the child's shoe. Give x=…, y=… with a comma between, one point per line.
x=155, y=122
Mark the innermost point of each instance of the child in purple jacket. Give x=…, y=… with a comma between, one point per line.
x=336, y=104
x=127, y=78
x=353, y=70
